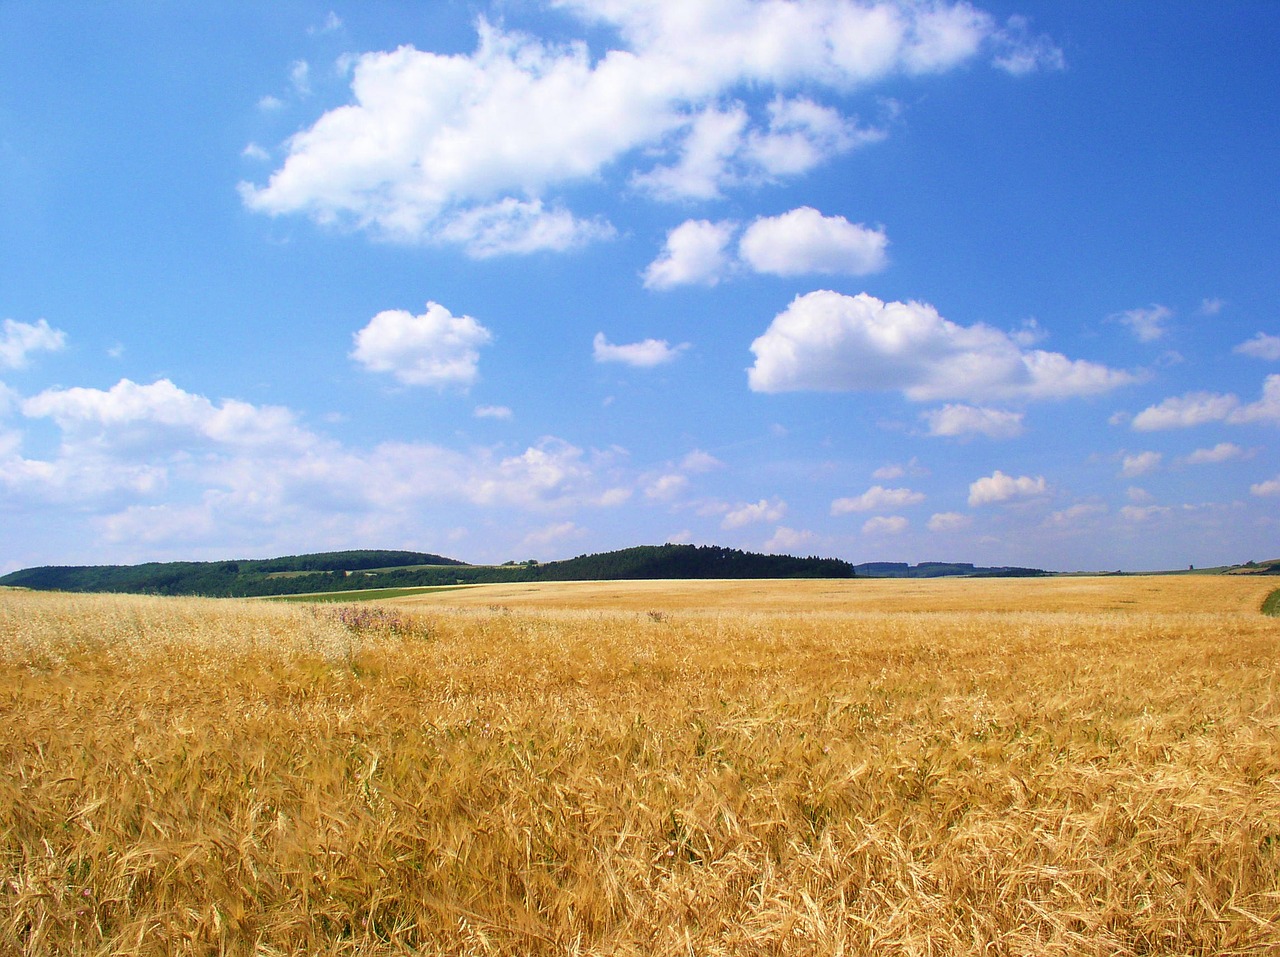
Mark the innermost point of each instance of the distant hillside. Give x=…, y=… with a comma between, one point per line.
x=944, y=570
x=689, y=561
x=242, y=577
x=344, y=571
x=1269, y=567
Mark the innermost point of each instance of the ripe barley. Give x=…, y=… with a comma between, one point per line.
x=1080, y=767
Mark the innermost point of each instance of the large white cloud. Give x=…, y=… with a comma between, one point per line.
x=717, y=42
x=132, y=439
x=155, y=463
x=829, y=342
x=436, y=348
x=466, y=148
x=130, y=413
x=998, y=487
x=804, y=241
x=706, y=158
x=1200, y=408
x=20, y=339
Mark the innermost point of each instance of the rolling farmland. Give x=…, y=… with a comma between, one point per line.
x=1048, y=766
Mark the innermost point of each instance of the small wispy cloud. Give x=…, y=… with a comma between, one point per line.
x=19, y=339
x=764, y=510
x=1222, y=452
x=877, y=498
x=1261, y=346
x=1147, y=324
x=1140, y=463
x=949, y=522
x=885, y=525
x=638, y=355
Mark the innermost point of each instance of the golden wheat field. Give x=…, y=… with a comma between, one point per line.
x=1030, y=767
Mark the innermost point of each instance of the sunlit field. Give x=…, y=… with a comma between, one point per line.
x=1035, y=767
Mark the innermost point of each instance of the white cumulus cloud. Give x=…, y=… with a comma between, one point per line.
x=1143, y=513
x=802, y=134
x=804, y=241
x=1266, y=410
x=1269, y=487
x=700, y=461
x=789, y=541
x=749, y=513
x=1261, y=346
x=962, y=420
x=876, y=499
x=430, y=139
x=949, y=522
x=1199, y=408
x=20, y=339
x=436, y=348
x=1140, y=463
x=666, y=487
x=640, y=355
x=885, y=525
x=1075, y=516
x=1222, y=452
x=154, y=463
x=519, y=226
x=132, y=414
x=705, y=160
x=896, y=470
x=1185, y=411
x=1146, y=324
x=829, y=342
x=694, y=254
x=998, y=487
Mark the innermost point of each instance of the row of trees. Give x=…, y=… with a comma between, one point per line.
x=343, y=571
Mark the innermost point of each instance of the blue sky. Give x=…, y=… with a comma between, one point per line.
x=531, y=278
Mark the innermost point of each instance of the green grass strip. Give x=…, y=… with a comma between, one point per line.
x=364, y=594
x=1271, y=604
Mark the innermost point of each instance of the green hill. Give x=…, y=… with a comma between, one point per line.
x=351, y=570
x=242, y=577
x=688, y=561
